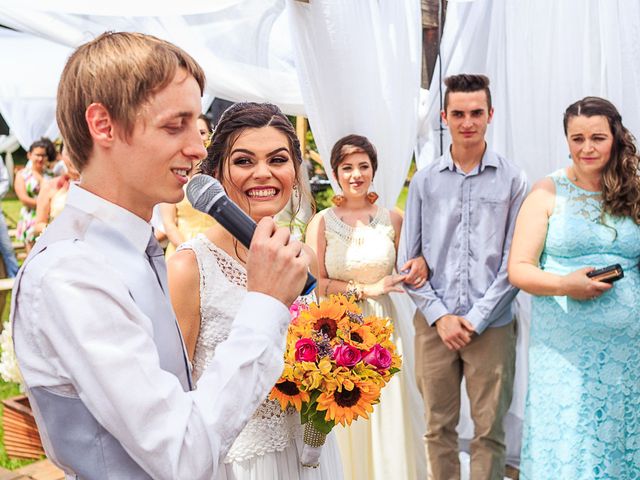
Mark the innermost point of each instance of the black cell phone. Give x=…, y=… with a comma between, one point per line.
x=607, y=274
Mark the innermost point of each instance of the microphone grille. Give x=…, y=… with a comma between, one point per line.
x=202, y=191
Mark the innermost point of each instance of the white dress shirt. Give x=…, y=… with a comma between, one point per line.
x=79, y=332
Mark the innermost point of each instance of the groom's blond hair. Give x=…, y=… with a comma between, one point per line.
x=121, y=71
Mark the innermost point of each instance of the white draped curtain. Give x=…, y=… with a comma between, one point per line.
x=243, y=46
x=359, y=70
x=541, y=56
x=27, y=90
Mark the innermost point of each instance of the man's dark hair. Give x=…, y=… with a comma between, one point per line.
x=466, y=82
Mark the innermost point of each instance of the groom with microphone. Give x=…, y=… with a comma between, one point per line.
x=96, y=339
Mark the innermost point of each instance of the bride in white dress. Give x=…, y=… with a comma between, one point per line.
x=356, y=244
x=255, y=154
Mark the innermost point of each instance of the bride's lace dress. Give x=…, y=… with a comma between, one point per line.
x=268, y=447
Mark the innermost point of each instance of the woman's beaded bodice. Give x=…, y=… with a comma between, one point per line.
x=364, y=253
x=222, y=289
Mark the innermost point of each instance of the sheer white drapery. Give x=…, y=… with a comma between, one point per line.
x=27, y=93
x=8, y=145
x=243, y=47
x=541, y=55
x=359, y=69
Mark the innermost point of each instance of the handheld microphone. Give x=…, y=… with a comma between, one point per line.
x=207, y=195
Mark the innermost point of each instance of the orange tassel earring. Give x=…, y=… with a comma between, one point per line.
x=338, y=200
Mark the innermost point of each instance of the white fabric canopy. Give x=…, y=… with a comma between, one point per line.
x=120, y=7
x=243, y=46
x=8, y=145
x=27, y=92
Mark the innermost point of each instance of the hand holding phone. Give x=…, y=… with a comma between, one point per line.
x=607, y=274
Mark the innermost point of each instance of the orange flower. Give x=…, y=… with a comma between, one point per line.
x=343, y=405
x=360, y=336
x=287, y=393
x=324, y=318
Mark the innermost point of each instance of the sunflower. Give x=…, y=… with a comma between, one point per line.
x=360, y=336
x=325, y=318
x=287, y=393
x=345, y=405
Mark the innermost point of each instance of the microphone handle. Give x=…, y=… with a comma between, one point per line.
x=242, y=227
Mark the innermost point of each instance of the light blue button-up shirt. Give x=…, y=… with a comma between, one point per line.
x=463, y=224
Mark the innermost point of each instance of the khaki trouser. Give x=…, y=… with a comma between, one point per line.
x=488, y=366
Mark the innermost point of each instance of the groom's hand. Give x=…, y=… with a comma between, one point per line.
x=277, y=265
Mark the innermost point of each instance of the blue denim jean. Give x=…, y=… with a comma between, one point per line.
x=6, y=249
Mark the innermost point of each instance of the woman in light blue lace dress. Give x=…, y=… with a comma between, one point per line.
x=582, y=418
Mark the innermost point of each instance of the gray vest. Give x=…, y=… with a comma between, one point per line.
x=72, y=437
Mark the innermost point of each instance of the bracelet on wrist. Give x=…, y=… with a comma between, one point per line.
x=326, y=287
x=354, y=289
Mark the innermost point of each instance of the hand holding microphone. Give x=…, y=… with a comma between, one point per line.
x=277, y=265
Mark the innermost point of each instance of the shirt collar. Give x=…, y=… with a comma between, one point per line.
x=489, y=159
x=138, y=231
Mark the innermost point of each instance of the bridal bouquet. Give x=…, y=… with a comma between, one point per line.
x=336, y=363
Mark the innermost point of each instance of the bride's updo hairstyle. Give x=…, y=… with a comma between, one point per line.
x=237, y=118
x=620, y=180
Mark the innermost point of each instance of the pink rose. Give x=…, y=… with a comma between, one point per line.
x=306, y=350
x=378, y=357
x=294, y=311
x=346, y=355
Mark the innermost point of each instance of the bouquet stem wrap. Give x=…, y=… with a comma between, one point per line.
x=313, y=441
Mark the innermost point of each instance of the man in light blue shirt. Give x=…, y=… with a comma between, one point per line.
x=460, y=216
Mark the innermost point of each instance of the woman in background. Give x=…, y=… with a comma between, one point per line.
x=356, y=243
x=27, y=186
x=582, y=419
x=53, y=194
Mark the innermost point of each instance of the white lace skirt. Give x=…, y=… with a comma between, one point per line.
x=285, y=465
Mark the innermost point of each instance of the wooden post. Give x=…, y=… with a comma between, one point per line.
x=301, y=131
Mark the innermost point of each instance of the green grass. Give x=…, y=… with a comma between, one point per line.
x=8, y=390
x=11, y=209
